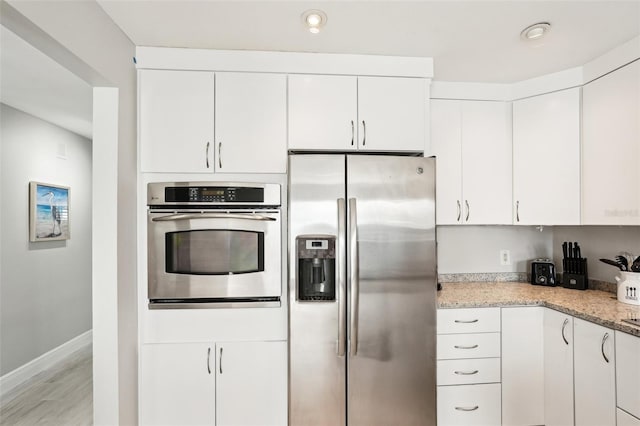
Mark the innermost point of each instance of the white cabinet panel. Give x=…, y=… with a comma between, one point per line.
x=251, y=117
x=626, y=419
x=611, y=148
x=628, y=372
x=176, y=120
x=468, y=320
x=546, y=159
x=251, y=381
x=594, y=382
x=472, y=144
x=522, y=366
x=177, y=384
x=322, y=112
x=468, y=371
x=469, y=405
x=558, y=368
x=472, y=345
x=391, y=113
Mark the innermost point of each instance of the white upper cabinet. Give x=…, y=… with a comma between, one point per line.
x=611, y=148
x=472, y=144
x=546, y=159
x=193, y=121
x=349, y=113
x=251, y=117
x=176, y=120
x=391, y=114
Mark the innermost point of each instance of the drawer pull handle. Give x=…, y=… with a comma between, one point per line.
x=466, y=373
x=465, y=347
x=465, y=321
x=467, y=408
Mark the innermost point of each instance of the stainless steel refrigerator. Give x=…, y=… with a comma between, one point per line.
x=362, y=290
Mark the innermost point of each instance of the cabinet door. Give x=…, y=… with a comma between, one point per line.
x=594, y=381
x=446, y=145
x=610, y=148
x=322, y=112
x=251, y=123
x=251, y=381
x=522, y=366
x=177, y=384
x=176, y=119
x=628, y=372
x=486, y=163
x=625, y=419
x=391, y=114
x=546, y=159
x=558, y=368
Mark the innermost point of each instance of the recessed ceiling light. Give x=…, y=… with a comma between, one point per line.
x=314, y=20
x=535, y=31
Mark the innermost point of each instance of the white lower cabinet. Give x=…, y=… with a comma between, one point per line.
x=628, y=374
x=522, y=366
x=234, y=383
x=595, y=376
x=469, y=405
x=558, y=368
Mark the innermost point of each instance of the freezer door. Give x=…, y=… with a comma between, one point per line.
x=317, y=346
x=392, y=290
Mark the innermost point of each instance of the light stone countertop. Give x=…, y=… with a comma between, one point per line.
x=591, y=305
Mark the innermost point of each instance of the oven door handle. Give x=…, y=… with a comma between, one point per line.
x=189, y=216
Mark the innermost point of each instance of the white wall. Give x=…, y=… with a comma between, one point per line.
x=476, y=249
x=45, y=286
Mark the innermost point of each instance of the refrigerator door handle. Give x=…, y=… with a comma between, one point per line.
x=342, y=271
x=354, y=278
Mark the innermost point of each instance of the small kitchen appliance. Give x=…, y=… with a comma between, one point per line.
x=543, y=272
x=629, y=287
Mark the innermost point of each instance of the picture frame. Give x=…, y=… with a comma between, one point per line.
x=48, y=212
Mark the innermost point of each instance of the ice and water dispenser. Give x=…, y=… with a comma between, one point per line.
x=316, y=267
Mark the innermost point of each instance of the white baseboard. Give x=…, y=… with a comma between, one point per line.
x=14, y=378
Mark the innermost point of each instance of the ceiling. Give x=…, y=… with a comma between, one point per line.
x=469, y=40
x=36, y=84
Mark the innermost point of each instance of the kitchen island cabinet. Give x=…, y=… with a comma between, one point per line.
x=546, y=159
x=328, y=112
x=213, y=383
x=472, y=144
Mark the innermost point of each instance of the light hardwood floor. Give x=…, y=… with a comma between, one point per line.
x=59, y=396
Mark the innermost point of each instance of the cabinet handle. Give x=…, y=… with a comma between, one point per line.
x=220, y=154
x=467, y=408
x=208, y=358
x=466, y=321
x=221, y=360
x=465, y=347
x=604, y=339
x=564, y=325
x=466, y=373
x=353, y=133
x=466, y=203
x=459, y=210
x=517, y=211
x=364, y=133
x=206, y=155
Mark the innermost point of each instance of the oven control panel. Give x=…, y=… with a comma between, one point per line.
x=209, y=193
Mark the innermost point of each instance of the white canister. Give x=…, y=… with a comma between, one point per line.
x=629, y=287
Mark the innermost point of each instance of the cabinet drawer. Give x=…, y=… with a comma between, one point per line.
x=626, y=419
x=470, y=345
x=469, y=405
x=468, y=371
x=473, y=320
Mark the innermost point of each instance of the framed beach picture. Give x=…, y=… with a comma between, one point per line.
x=48, y=212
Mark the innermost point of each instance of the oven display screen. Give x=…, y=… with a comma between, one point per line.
x=212, y=191
x=214, y=252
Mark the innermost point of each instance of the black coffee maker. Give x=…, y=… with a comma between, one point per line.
x=316, y=267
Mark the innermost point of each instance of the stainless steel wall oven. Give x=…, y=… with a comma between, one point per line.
x=213, y=245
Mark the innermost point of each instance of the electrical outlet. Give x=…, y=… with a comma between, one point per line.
x=505, y=257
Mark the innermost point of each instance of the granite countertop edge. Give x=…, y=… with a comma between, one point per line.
x=525, y=294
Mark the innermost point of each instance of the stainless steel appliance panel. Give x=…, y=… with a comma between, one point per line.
x=317, y=394
x=392, y=291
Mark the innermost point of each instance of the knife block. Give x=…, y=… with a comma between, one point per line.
x=576, y=281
